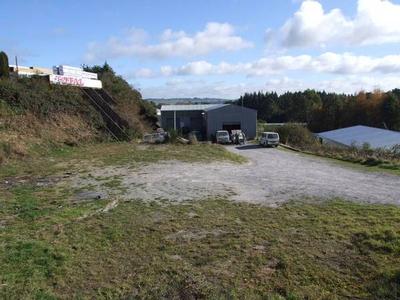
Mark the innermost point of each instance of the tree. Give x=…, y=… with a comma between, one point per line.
x=4, y=68
x=391, y=111
x=100, y=70
x=327, y=111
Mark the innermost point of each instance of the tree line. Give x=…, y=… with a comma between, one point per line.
x=324, y=111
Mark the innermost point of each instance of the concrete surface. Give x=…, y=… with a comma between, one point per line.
x=271, y=176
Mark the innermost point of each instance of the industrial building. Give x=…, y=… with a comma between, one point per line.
x=208, y=118
x=360, y=135
x=22, y=71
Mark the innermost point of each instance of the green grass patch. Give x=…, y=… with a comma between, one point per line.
x=52, y=247
x=358, y=165
x=61, y=159
x=214, y=249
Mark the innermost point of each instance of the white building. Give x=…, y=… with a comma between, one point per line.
x=360, y=135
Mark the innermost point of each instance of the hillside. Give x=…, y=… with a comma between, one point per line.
x=36, y=116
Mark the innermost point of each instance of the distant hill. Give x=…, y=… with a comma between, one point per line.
x=194, y=100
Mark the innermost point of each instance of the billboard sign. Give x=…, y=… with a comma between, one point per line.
x=75, y=81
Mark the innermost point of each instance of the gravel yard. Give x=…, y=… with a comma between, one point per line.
x=271, y=176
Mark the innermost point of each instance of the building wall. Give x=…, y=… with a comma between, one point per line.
x=30, y=71
x=210, y=121
x=232, y=114
x=193, y=120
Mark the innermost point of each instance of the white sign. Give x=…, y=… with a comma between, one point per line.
x=75, y=81
x=73, y=71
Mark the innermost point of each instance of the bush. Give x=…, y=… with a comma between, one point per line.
x=36, y=96
x=149, y=110
x=172, y=136
x=4, y=67
x=297, y=136
x=130, y=104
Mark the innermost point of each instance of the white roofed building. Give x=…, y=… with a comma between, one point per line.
x=360, y=135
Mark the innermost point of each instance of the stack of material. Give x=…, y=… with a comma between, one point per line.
x=155, y=138
x=73, y=71
x=67, y=75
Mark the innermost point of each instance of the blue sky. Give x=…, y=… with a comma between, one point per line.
x=219, y=48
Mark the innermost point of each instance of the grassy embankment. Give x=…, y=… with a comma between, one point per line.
x=34, y=114
x=54, y=248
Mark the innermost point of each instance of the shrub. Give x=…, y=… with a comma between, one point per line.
x=149, y=110
x=36, y=96
x=4, y=67
x=172, y=136
x=127, y=97
x=297, y=136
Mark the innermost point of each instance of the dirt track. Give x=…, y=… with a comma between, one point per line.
x=272, y=176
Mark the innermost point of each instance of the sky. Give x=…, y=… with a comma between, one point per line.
x=213, y=48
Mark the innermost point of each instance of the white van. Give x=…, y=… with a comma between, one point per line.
x=269, y=139
x=222, y=137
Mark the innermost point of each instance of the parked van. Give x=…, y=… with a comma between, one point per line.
x=222, y=137
x=269, y=139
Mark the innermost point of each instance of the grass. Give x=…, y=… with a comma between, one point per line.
x=62, y=159
x=207, y=249
x=381, y=168
x=52, y=247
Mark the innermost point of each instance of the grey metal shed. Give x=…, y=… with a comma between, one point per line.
x=208, y=118
x=359, y=135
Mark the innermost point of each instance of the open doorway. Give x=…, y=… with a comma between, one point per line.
x=231, y=126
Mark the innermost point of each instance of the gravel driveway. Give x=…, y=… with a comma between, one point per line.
x=277, y=175
x=271, y=176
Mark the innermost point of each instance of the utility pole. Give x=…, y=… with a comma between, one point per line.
x=16, y=64
x=175, y=120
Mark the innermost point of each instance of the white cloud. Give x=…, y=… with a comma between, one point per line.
x=197, y=88
x=353, y=84
x=143, y=73
x=221, y=89
x=331, y=63
x=214, y=37
x=375, y=22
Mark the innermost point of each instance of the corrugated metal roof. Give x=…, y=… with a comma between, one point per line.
x=191, y=107
x=358, y=135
